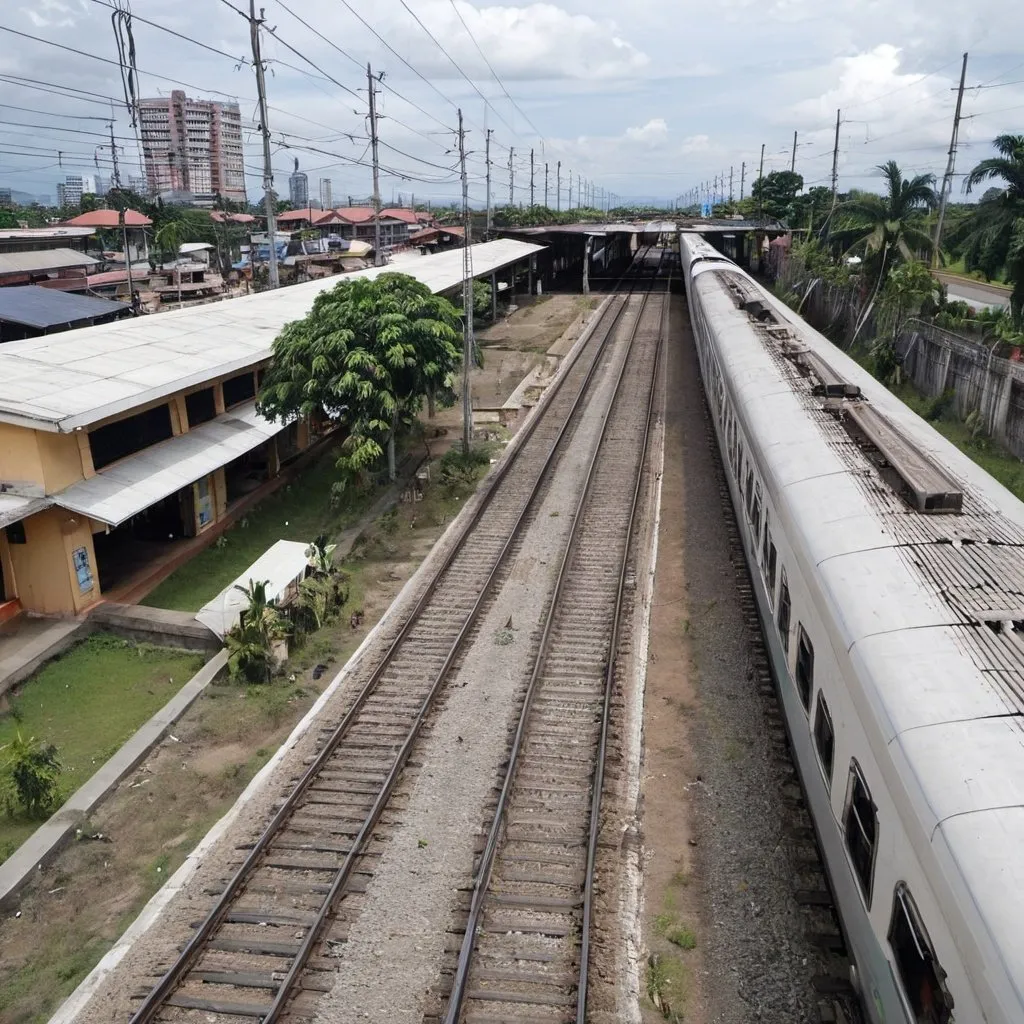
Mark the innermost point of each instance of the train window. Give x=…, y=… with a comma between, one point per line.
x=770, y=569
x=783, y=616
x=750, y=492
x=860, y=823
x=804, y=666
x=755, y=514
x=922, y=978
x=824, y=736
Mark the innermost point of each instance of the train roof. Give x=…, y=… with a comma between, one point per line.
x=930, y=608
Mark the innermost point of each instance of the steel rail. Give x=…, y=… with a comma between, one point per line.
x=609, y=682
x=175, y=975
x=482, y=882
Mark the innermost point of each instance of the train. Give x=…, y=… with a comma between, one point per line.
x=888, y=570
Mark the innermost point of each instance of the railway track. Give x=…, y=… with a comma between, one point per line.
x=526, y=947
x=262, y=950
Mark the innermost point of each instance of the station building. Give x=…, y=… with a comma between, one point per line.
x=121, y=439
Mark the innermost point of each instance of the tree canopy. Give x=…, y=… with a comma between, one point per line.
x=367, y=354
x=773, y=194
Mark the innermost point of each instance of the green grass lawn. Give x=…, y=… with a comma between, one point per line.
x=298, y=511
x=87, y=703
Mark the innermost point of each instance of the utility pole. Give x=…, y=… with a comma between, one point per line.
x=122, y=223
x=760, y=192
x=511, y=178
x=487, y=151
x=569, y=207
x=743, y=178
x=268, y=174
x=467, y=298
x=558, y=186
x=792, y=161
x=531, y=179
x=377, y=255
x=730, y=185
x=546, y=186
x=835, y=162
x=947, y=178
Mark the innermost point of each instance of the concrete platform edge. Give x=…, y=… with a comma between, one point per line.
x=54, y=833
x=68, y=1011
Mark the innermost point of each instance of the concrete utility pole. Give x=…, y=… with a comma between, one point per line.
x=760, y=191
x=511, y=178
x=558, y=186
x=487, y=152
x=546, y=184
x=268, y=174
x=792, y=161
x=743, y=178
x=378, y=259
x=835, y=161
x=531, y=179
x=569, y=207
x=730, y=185
x=467, y=298
x=947, y=178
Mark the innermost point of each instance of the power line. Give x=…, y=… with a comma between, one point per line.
x=48, y=113
x=494, y=73
x=455, y=64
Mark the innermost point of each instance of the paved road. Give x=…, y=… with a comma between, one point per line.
x=976, y=294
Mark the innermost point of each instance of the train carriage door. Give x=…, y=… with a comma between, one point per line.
x=920, y=974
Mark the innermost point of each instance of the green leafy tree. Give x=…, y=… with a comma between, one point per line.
x=251, y=642
x=367, y=353
x=30, y=773
x=811, y=209
x=8, y=219
x=773, y=194
x=993, y=234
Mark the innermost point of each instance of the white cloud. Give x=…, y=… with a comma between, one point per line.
x=52, y=14
x=655, y=131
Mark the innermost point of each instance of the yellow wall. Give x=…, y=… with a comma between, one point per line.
x=43, y=569
x=61, y=458
x=20, y=461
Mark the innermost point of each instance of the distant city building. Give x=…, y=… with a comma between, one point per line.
x=192, y=146
x=73, y=187
x=138, y=184
x=326, y=193
x=5, y=197
x=298, y=187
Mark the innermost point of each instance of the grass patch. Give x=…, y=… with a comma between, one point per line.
x=682, y=937
x=300, y=510
x=88, y=702
x=668, y=985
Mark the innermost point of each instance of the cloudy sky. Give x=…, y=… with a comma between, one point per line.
x=646, y=98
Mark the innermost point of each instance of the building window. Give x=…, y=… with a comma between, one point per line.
x=239, y=389
x=804, y=667
x=201, y=407
x=824, y=736
x=783, y=616
x=860, y=822
x=16, y=533
x=132, y=434
x=920, y=974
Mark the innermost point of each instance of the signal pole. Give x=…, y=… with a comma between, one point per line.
x=947, y=178
x=377, y=255
x=467, y=298
x=268, y=174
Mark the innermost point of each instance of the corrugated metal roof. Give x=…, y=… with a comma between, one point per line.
x=75, y=378
x=116, y=494
x=14, y=507
x=43, y=259
x=33, y=306
x=281, y=566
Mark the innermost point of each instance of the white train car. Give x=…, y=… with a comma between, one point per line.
x=889, y=575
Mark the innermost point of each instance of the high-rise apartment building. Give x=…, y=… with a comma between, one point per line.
x=326, y=193
x=298, y=187
x=193, y=146
x=73, y=187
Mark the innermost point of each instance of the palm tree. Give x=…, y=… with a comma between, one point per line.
x=994, y=233
x=890, y=226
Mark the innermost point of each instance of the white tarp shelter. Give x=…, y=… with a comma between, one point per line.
x=283, y=565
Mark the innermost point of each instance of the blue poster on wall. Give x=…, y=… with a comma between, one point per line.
x=80, y=557
x=705, y=210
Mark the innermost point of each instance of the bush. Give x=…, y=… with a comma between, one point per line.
x=31, y=777
x=462, y=468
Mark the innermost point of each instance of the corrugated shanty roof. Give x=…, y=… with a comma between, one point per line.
x=70, y=380
x=43, y=259
x=33, y=306
x=133, y=484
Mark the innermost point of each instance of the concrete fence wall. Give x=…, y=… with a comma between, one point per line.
x=936, y=361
